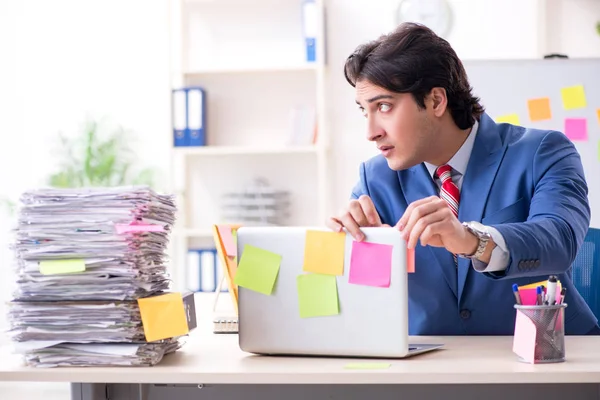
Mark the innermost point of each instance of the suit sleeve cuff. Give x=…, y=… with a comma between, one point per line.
x=500, y=256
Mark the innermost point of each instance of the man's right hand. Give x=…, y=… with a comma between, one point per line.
x=359, y=213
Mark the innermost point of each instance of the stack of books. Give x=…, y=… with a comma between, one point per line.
x=92, y=281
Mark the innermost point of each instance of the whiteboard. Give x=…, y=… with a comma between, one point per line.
x=505, y=86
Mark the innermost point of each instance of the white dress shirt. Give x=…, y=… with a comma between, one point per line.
x=500, y=255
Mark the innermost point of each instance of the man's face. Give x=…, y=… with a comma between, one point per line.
x=400, y=129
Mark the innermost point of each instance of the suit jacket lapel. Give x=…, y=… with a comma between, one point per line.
x=483, y=165
x=416, y=184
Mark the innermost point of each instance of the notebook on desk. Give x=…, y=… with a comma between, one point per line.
x=355, y=311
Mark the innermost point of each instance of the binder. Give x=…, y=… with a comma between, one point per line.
x=196, y=116
x=309, y=14
x=179, y=117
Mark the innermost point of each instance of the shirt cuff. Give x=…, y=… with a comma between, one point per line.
x=500, y=255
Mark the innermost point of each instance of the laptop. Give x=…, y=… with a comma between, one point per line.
x=372, y=321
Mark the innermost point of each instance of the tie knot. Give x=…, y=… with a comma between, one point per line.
x=444, y=172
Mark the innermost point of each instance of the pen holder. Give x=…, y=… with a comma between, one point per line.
x=540, y=333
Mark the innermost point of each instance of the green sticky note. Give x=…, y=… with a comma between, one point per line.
x=317, y=295
x=367, y=366
x=257, y=269
x=55, y=267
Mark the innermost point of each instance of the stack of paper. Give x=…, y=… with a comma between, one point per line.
x=83, y=259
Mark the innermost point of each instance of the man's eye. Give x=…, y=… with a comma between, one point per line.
x=384, y=107
x=362, y=111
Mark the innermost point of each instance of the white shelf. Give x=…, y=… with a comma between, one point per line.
x=253, y=69
x=194, y=233
x=241, y=150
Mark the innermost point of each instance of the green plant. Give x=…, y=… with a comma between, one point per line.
x=95, y=159
x=598, y=27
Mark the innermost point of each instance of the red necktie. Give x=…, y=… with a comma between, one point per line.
x=449, y=191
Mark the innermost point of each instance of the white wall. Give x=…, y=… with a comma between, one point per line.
x=571, y=27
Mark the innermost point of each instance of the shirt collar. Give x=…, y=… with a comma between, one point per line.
x=460, y=160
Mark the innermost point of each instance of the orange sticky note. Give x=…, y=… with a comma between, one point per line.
x=524, y=339
x=509, y=119
x=163, y=316
x=324, y=252
x=598, y=114
x=539, y=109
x=573, y=97
x=410, y=260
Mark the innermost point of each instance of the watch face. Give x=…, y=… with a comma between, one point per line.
x=478, y=226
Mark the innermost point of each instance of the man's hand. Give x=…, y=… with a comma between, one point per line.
x=432, y=221
x=359, y=213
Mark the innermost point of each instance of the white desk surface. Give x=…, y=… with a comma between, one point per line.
x=207, y=358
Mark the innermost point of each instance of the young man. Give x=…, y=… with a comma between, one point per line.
x=490, y=204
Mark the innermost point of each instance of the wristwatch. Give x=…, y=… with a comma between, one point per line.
x=480, y=231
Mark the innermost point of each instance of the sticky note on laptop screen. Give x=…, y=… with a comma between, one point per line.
x=317, y=295
x=257, y=269
x=370, y=264
x=324, y=252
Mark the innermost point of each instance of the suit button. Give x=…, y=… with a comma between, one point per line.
x=521, y=264
x=537, y=263
x=465, y=314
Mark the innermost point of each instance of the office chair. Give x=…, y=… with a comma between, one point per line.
x=586, y=270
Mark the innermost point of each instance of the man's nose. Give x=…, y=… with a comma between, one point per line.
x=374, y=132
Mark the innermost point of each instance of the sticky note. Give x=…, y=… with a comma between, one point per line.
x=367, y=366
x=524, y=338
x=257, y=269
x=539, y=109
x=576, y=128
x=163, y=316
x=126, y=228
x=370, y=264
x=317, y=295
x=410, y=260
x=226, y=234
x=509, y=119
x=56, y=267
x=324, y=252
x=573, y=97
x=598, y=115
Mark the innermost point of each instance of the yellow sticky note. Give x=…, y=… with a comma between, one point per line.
x=324, y=252
x=539, y=109
x=509, y=119
x=573, y=97
x=365, y=365
x=317, y=295
x=56, y=267
x=257, y=269
x=163, y=316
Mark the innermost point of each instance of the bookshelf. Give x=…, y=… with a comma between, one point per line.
x=250, y=59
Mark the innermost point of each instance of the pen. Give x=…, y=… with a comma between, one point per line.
x=551, y=292
x=562, y=295
x=515, y=289
x=538, y=292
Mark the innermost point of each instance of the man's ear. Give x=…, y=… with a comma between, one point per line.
x=439, y=101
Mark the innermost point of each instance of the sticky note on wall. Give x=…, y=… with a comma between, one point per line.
x=257, y=269
x=163, y=316
x=370, y=264
x=598, y=115
x=539, y=109
x=509, y=119
x=324, y=252
x=576, y=129
x=317, y=295
x=56, y=267
x=573, y=97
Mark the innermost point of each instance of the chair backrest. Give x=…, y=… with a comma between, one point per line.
x=586, y=270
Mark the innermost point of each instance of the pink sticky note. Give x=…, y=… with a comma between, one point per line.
x=370, y=264
x=576, y=128
x=410, y=260
x=524, y=339
x=528, y=296
x=125, y=228
x=227, y=238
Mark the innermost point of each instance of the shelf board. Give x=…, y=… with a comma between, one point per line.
x=194, y=233
x=254, y=69
x=241, y=150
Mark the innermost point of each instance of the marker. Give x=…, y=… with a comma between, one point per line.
x=562, y=295
x=551, y=292
x=538, y=292
x=515, y=288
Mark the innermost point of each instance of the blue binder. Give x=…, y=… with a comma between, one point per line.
x=309, y=15
x=196, y=116
x=179, y=117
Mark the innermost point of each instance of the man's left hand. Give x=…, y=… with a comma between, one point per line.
x=432, y=221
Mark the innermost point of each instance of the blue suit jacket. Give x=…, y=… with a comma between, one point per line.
x=528, y=184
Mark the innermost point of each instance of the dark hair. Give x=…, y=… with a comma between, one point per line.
x=413, y=59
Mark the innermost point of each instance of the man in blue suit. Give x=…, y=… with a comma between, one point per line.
x=491, y=204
